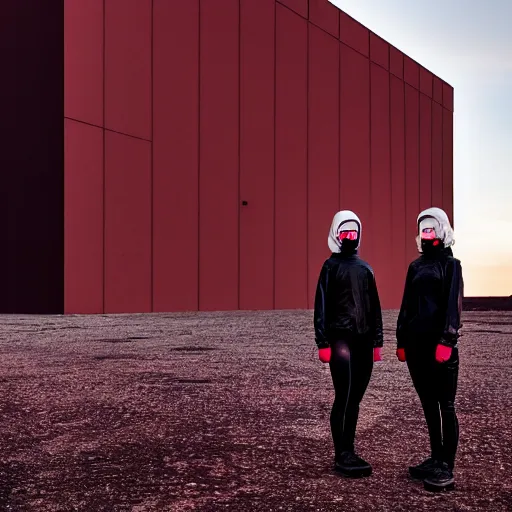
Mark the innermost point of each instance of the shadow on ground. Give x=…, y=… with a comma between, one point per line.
x=230, y=412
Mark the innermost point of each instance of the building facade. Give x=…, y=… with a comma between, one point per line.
x=207, y=146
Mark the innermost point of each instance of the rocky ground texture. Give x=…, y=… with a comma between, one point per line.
x=230, y=411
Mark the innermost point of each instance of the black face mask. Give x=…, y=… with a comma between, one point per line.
x=432, y=247
x=348, y=246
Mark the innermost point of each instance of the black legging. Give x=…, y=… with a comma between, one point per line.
x=436, y=385
x=351, y=368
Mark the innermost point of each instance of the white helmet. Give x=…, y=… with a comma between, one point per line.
x=345, y=220
x=436, y=219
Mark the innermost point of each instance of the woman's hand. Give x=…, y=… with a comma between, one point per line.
x=324, y=354
x=443, y=353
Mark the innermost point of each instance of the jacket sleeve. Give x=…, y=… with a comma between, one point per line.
x=320, y=309
x=401, y=325
x=454, y=291
x=378, y=337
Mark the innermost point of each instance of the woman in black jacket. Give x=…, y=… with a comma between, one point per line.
x=427, y=333
x=348, y=334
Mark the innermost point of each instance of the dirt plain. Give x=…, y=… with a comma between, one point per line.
x=230, y=411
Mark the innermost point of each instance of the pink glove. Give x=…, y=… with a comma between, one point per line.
x=377, y=354
x=400, y=353
x=443, y=353
x=324, y=354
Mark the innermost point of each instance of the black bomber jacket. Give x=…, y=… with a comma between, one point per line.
x=347, y=302
x=432, y=301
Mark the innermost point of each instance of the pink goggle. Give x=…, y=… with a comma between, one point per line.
x=348, y=235
x=428, y=234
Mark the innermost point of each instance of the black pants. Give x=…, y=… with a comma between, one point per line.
x=436, y=385
x=351, y=368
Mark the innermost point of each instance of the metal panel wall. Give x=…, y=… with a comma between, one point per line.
x=425, y=152
x=380, y=186
x=175, y=155
x=355, y=179
x=437, y=90
x=231, y=140
x=218, y=155
x=257, y=79
x=325, y=15
x=379, y=51
x=411, y=72
x=128, y=67
x=399, y=242
x=127, y=224
x=412, y=174
x=83, y=218
x=298, y=6
x=437, y=154
x=291, y=160
x=396, y=62
x=83, y=61
x=323, y=147
x=426, y=82
x=353, y=34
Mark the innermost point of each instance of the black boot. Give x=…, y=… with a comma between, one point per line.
x=351, y=465
x=441, y=479
x=423, y=470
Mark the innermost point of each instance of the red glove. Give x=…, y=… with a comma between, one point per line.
x=443, y=353
x=324, y=354
x=377, y=354
x=400, y=353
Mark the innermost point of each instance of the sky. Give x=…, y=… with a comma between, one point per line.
x=469, y=45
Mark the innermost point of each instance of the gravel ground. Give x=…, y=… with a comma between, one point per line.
x=230, y=411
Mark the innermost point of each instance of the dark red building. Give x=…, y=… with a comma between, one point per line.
x=207, y=146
